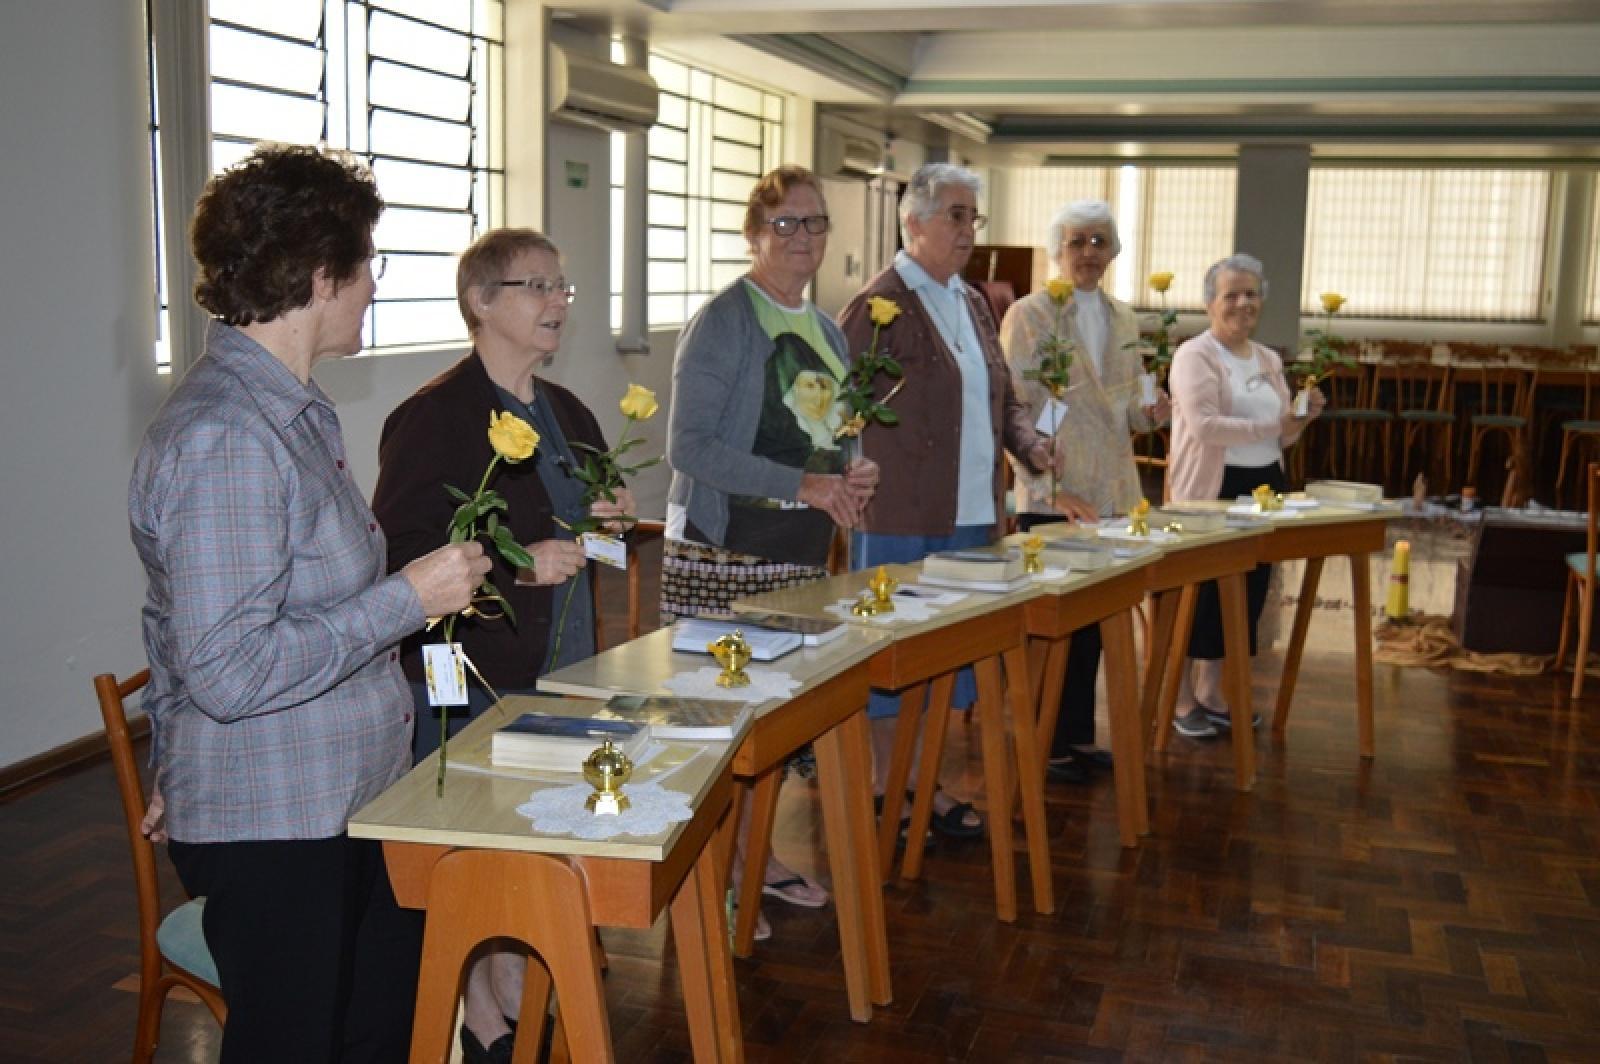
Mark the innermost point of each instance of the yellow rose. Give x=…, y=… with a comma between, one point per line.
x=1161, y=281
x=1332, y=301
x=1060, y=290
x=882, y=311
x=639, y=404
x=511, y=437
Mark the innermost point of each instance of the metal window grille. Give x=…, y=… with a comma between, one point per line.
x=414, y=87
x=1436, y=244
x=714, y=137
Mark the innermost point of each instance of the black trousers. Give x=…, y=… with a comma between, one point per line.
x=1075, y=725
x=317, y=961
x=1205, y=641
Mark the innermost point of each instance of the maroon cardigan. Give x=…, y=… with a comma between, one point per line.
x=920, y=458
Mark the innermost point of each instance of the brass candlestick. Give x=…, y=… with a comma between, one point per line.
x=1030, y=554
x=1139, y=518
x=733, y=654
x=865, y=606
x=606, y=770
x=883, y=585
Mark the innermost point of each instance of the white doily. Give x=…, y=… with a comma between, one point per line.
x=765, y=684
x=560, y=811
x=1050, y=572
x=906, y=611
x=1121, y=534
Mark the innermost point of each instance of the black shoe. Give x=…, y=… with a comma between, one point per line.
x=474, y=1052
x=1065, y=770
x=1093, y=758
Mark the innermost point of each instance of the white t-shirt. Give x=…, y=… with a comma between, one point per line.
x=1254, y=398
x=1094, y=322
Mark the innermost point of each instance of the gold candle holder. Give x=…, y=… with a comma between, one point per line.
x=1030, y=554
x=733, y=654
x=606, y=770
x=1174, y=528
x=865, y=606
x=1139, y=518
x=1267, y=500
x=883, y=586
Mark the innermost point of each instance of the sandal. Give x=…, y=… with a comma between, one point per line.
x=797, y=890
x=905, y=825
x=952, y=823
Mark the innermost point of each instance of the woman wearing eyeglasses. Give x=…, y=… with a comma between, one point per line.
x=514, y=300
x=1103, y=409
x=1231, y=420
x=758, y=483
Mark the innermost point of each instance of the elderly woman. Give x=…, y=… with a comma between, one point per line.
x=271, y=622
x=1094, y=433
x=1232, y=418
x=514, y=301
x=759, y=485
x=958, y=415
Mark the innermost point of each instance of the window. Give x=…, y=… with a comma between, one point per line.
x=1428, y=244
x=715, y=136
x=414, y=86
x=1591, y=312
x=1169, y=218
x=158, y=237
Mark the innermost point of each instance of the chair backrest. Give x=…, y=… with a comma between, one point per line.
x=1417, y=382
x=112, y=694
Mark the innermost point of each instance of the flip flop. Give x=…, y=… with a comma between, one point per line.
x=952, y=823
x=905, y=825
x=797, y=890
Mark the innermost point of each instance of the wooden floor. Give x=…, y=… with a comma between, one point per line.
x=1441, y=902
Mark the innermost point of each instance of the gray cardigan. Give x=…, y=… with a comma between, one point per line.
x=718, y=377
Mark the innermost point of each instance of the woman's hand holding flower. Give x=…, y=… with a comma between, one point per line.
x=833, y=495
x=622, y=507
x=1074, y=508
x=1159, y=412
x=446, y=579
x=862, y=476
x=555, y=561
x=1291, y=424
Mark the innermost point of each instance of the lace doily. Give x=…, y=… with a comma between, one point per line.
x=765, y=685
x=1157, y=535
x=1051, y=572
x=560, y=811
x=906, y=611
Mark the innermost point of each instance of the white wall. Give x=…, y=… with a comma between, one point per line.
x=80, y=382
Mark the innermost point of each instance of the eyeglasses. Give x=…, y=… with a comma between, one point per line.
x=789, y=225
x=1096, y=241
x=542, y=287
x=378, y=264
x=961, y=217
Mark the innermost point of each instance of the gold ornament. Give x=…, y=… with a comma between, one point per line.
x=1030, y=554
x=733, y=654
x=1139, y=518
x=606, y=770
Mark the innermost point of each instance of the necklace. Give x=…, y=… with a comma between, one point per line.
x=953, y=328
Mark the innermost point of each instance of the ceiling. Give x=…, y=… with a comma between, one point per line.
x=1043, y=81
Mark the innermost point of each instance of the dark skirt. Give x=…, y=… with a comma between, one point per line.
x=1206, y=639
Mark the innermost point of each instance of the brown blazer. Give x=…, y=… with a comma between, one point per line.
x=920, y=457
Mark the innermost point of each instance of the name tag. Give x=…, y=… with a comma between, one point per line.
x=1050, y=418
x=605, y=549
x=446, y=675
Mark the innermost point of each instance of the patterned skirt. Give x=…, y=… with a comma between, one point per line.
x=700, y=581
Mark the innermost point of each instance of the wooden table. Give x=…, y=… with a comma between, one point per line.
x=1185, y=562
x=829, y=710
x=480, y=871
x=1316, y=536
x=984, y=631
x=1107, y=597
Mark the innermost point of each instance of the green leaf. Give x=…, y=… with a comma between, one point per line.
x=892, y=368
x=513, y=552
x=885, y=416
x=457, y=494
x=493, y=525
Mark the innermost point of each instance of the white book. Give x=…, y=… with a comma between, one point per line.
x=694, y=635
x=684, y=719
x=1016, y=584
x=992, y=566
x=549, y=743
x=813, y=631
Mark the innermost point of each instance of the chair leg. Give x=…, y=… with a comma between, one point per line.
x=1567, y=600
x=1474, y=452
x=1561, y=466
x=1585, y=622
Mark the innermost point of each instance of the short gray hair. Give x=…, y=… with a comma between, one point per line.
x=1080, y=214
x=1238, y=262
x=922, y=193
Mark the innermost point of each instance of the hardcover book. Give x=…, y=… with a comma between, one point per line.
x=691, y=719
x=694, y=635
x=561, y=744
x=987, y=566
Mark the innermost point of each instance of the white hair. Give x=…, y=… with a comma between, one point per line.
x=1238, y=262
x=1080, y=214
x=921, y=199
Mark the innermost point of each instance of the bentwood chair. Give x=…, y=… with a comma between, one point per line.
x=172, y=951
x=1505, y=408
x=1582, y=433
x=1580, y=590
x=1425, y=411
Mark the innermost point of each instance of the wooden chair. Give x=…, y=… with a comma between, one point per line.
x=1504, y=408
x=1424, y=408
x=1580, y=590
x=1583, y=433
x=1356, y=425
x=172, y=951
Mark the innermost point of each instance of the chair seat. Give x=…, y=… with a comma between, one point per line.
x=183, y=941
x=1438, y=417
x=1499, y=421
x=1580, y=425
x=1358, y=414
x=1579, y=564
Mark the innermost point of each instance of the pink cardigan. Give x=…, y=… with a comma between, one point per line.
x=1203, y=425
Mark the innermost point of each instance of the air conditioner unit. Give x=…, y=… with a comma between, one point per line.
x=841, y=154
x=587, y=91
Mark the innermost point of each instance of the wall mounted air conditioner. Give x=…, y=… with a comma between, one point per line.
x=592, y=92
x=841, y=154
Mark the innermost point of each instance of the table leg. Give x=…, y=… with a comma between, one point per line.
x=856, y=752
x=1127, y=742
x=1166, y=610
x=996, y=778
x=1046, y=702
x=1177, y=659
x=1297, y=643
x=1236, y=672
x=757, y=843
x=934, y=727
x=705, y=966
x=1030, y=778
x=907, y=724
x=1361, y=580
x=833, y=786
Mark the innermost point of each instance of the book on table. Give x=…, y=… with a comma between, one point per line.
x=1078, y=555
x=993, y=566
x=694, y=635
x=813, y=631
x=1190, y=518
x=685, y=719
x=549, y=743
x=1344, y=492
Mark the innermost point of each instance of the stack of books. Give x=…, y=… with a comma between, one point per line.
x=682, y=719
x=546, y=743
x=694, y=635
x=1345, y=492
x=813, y=631
x=978, y=569
x=1192, y=519
x=1077, y=555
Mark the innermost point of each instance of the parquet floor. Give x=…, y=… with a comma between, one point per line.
x=1439, y=903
